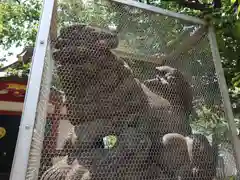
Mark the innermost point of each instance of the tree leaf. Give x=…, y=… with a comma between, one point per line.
x=236, y=80
x=233, y=1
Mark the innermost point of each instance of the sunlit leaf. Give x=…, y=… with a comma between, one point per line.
x=110, y=141
x=236, y=30
x=236, y=80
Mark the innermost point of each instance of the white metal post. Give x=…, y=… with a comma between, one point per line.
x=225, y=95
x=20, y=162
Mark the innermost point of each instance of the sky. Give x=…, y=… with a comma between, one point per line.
x=13, y=57
x=10, y=59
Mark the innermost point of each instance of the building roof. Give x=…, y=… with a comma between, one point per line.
x=23, y=58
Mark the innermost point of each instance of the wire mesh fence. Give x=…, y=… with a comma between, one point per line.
x=135, y=96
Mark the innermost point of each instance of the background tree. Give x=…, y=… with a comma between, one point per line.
x=19, y=22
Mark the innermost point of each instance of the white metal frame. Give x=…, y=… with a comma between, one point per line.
x=41, y=116
x=225, y=95
x=20, y=162
x=161, y=11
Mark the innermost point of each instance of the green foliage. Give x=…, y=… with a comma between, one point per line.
x=21, y=70
x=18, y=27
x=110, y=141
x=227, y=25
x=210, y=121
x=19, y=23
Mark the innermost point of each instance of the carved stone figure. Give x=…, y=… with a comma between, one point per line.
x=148, y=119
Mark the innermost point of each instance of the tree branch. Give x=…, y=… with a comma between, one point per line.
x=193, y=4
x=217, y=4
x=137, y=57
x=186, y=45
x=161, y=59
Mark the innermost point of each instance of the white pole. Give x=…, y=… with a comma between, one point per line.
x=224, y=91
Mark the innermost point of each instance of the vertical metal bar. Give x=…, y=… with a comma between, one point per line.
x=20, y=162
x=40, y=122
x=225, y=95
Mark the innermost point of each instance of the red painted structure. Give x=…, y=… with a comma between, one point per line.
x=12, y=94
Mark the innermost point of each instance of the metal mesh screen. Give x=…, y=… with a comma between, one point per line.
x=135, y=96
x=41, y=118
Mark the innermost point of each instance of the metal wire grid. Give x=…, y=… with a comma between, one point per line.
x=41, y=117
x=103, y=98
